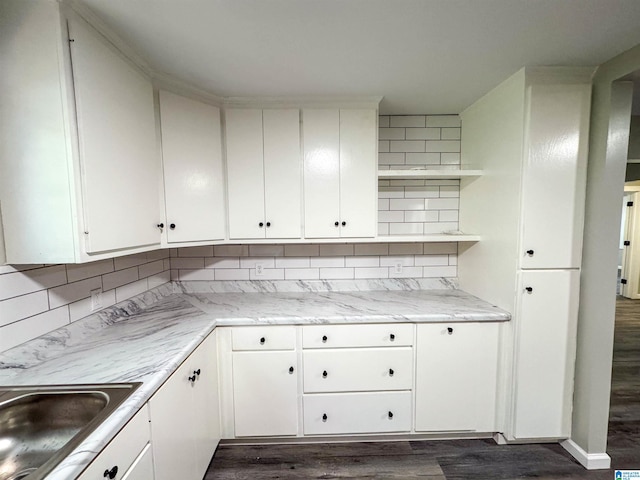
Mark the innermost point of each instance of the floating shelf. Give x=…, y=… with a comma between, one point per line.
x=444, y=174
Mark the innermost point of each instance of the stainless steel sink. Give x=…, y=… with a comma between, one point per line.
x=41, y=425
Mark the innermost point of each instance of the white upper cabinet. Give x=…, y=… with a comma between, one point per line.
x=263, y=173
x=78, y=148
x=554, y=173
x=340, y=173
x=117, y=145
x=192, y=169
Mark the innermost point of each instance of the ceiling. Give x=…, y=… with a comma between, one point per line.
x=423, y=56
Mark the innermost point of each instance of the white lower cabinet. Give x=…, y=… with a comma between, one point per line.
x=265, y=393
x=378, y=412
x=456, y=377
x=545, y=353
x=185, y=417
x=127, y=455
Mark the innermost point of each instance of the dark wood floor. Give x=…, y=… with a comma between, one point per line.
x=458, y=459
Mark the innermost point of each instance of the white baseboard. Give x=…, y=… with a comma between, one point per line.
x=590, y=461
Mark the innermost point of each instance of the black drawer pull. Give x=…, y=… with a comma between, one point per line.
x=390, y=415
x=324, y=417
x=262, y=340
x=290, y=369
x=197, y=372
x=324, y=339
x=529, y=289
x=391, y=372
x=450, y=330
x=530, y=253
x=111, y=473
x=324, y=374
x=392, y=337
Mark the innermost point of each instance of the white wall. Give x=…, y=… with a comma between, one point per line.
x=3, y=258
x=605, y=182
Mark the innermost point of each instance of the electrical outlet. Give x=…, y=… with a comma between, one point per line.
x=397, y=267
x=259, y=269
x=96, y=299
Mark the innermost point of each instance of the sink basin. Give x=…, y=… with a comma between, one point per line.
x=41, y=425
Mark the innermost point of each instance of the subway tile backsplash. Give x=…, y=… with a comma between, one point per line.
x=35, y=299
x=418, y=207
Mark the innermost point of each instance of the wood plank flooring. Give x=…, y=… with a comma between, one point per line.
x=458, y=459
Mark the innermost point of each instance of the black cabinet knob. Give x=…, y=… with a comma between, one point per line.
x=268, y=224
x=193, y=379
x=111, y=473
x=160, y=225
x=324, y=417
x=391, y=372
x=262, y=340
x=196, y=372
x=530, y=253
x=392, y=337
x=290, y=369
x=344, y=224
x=390, y=414
x=337, y=224
x=172, y=226
x=529, y=289
x=450, y=330
x=261, y=224
x=324, y=374
x=324, y=339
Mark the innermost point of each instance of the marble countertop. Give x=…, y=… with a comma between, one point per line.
x=144, y=339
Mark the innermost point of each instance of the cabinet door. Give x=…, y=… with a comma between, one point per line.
x=192, y=169
x=172, y=423
x=206, y=403
x=456, y=377
x=265, y=386
x=245, y=173
x=117, y=141
x=358, y=173
x=545, y=353
x=554, y=175
x=282, y=173
x=123, y=452
x=142, y=468
x=321, y=138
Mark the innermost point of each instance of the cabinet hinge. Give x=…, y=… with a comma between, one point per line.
x=629, y=204
x=626, y=243
x=623, y=281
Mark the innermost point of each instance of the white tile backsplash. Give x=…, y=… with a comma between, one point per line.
x=36, y=299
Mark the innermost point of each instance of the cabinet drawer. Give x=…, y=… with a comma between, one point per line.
x=357, y=370
x=357, y=413
x=379, y=335
x=123, y=450
x=263, y=338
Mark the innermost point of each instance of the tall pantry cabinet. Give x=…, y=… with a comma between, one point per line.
x=529, y=135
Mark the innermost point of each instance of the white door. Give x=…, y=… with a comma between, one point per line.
x=192, y=169
x=117, y=142
x=265, y=387
x=630, y=244
x=206, y=403
x=358, y=173
x=282, y=173
x=173, y=418
x=321, y=139
x=554, y=175
x=456, y=377
x=545, y=353
x=245, y=173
